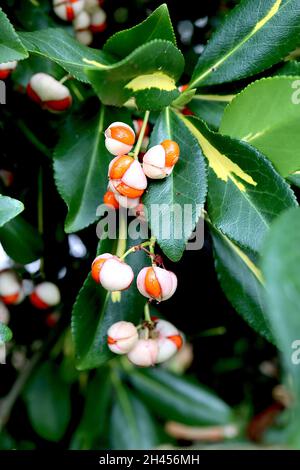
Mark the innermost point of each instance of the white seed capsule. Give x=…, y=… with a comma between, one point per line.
x=92, y=5
x=122, y=337
x=144, y=353
x=67, y=10
x=82, y=21
x=49, y=92
x=159, y=161
x=169, y=340
x=98, y=21
x=156, y=283
x=45, y=295
x=119, y=138
x=11, y=292
x=126, y=177
x=112, y=273
x=6, y=68
x=81, y=25
x=84, y=37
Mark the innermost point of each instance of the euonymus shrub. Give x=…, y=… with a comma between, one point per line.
x=221, y=146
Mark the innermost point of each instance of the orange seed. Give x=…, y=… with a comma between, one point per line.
x=152, y=285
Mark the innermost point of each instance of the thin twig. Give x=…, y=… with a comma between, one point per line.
x=33, y=139
x=7, y=403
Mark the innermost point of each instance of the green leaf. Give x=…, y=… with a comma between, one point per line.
x=157, y=26
x=272, y=125
x=148, y=74
x=281, y=269
x=92, y=428
x=185, y=188
x=295, y=179
x=184, y=98
x=48, y=403
x=244, y=191
x=131, y=426
x=57, y=45
x=289, y=69
x=5, y=334
x=11, y=47
x=34, y=15
x=177, y=398
x=36, y=64
x=6, y=441
x=210, y=108
x=94, y=312
x=252, y=38
x=81, y=164
x=241, y=281
x=9, y=208
x=21, y=241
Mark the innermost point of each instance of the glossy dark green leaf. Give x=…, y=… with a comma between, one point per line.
x=81, y=164
x=185, y=189
x=57, y=45
x=5, y=333
x=11, y=48
x=281, y=269
x=48, y=403
x=9, y=208
x=177, y=398
x=251, y=39
x=21, y=241
x=92, y=429
x=272, y=125
x=132, y=426
x=245, y=193
x=157, y=26
x=241, y=281
x=94, y=312
x=148, y=74
x=210, y=108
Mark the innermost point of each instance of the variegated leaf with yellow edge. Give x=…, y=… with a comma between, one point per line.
x=254, y=36
x=148, y=74
x=245, y=193
x=241, y=280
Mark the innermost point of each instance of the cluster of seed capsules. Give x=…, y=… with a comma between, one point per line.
x=87, y=17
x=147, y=344
x=127, y=176
x=43, y=296
x=154, y=341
